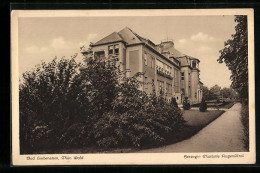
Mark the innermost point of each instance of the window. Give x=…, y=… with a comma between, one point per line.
x=113, y=49
x=169, y=89
x=99, y=55
x=182, y=75
x=183, y=91
x=110, y=50
x=193, y=64
x=152, y=61
x=117, y=49
x=124, y=57
x=145, y=59
x=160, y=87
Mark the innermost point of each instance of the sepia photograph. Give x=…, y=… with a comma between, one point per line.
x=100, y=87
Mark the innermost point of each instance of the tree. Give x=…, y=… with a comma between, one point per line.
x=203, y=105
x=48, y=102
x=215, y=91
x=235, y=56
x=229, y=93
x=206, y=92
x=66, y=104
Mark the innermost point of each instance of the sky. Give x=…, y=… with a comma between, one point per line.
x=43, y=38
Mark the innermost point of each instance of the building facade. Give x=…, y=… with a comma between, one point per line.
x=170, y=72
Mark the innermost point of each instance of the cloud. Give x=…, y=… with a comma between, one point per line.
x=183, y=40
x=204, y=48
x=202, y=37
x=36, y=49
x=60, y=43
x=199, y=45
x=90, y=38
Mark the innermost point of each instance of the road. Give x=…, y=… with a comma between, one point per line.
x=225, y=134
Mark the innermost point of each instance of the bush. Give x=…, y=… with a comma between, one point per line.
x=65, y=105
x=174, y=102
x=186, y=104
x=245, y=122
x=203, y=105
x=48, y=103
x=137, y=120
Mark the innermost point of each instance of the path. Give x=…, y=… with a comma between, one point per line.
x=225, y=134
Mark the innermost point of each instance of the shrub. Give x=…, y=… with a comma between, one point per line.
x=174, y=102
x=245, y=121
x=203, y=105
x=186, y=104
x=64, y=105
x=48, y=103
x=137, y=128
x=137, y=120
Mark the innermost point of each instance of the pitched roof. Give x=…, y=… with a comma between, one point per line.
x=114, y=37
x=129, y=36
x=175, y=53
x=194, y=58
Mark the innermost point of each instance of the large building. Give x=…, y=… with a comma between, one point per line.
x=173, y=73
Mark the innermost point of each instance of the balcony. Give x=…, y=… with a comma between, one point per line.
x=164, y=73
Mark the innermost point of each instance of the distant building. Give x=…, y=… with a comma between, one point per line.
x=174, y=74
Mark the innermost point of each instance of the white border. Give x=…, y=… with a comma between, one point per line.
x=128, y=158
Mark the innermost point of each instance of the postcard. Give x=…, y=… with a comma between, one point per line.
x=133, y=87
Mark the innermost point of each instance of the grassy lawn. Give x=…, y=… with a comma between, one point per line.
x=225, y=105
x=228, y=105
x=197, y=118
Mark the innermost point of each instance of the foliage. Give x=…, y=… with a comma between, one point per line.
x=47, y=96
x=229, y=93
x=245, y=122
x=64, y=104
x=203, y=105
x=212, y=93
x=215, y=90
x=174, y=102
x=235, y=56
x=132, y=118
x=186, y=104
x=206, y=93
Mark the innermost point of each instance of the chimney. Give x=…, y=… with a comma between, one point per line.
x=165, y=45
